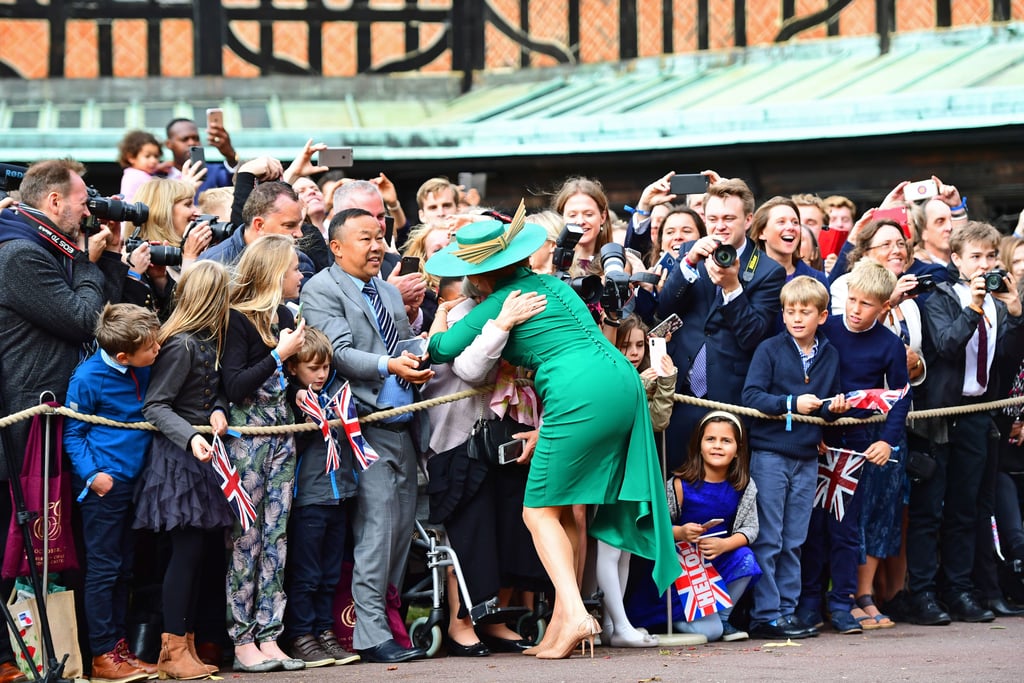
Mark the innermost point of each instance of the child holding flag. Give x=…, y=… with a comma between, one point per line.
x=324, y=482
x=179, y=491
x=871, y=356
x=261, y=335
x=788, y=374
x=712, y=505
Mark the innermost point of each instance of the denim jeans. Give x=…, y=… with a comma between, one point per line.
x=785, y=496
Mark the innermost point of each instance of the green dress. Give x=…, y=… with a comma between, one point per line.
x=596, y=445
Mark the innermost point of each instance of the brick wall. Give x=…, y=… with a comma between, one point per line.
x=24, y=43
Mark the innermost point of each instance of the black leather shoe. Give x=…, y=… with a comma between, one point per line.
x=924, y=610
x=495, y=644
x=963, y=607
x=798, y=625
x=390, y=652
x=477, y=649
x=1002, y=608
x=780, y=629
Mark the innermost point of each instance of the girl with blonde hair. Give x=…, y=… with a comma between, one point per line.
x=259, y=339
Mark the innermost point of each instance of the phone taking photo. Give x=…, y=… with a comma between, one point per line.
x=666, y=326
x=688, y=183
x=410, y=264
x=510, y=451
x=215, y=117
x=335, y=157
x=196, y=155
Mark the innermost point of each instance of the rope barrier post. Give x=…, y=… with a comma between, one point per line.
x=47, y=447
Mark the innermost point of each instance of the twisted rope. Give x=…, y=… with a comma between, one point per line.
x=44, y=409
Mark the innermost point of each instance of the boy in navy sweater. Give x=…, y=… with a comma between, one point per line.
x=107, y=460
x=319, y=519
x=789, y=372
x=870, y=357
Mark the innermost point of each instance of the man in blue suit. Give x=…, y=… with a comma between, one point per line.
x=183, y=134
x=726, y=309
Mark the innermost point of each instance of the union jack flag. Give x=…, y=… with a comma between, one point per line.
x=345, y=409
x=881, y=400
x=700, y=586
x=311, y=406
x=838, y=476
x=231, y=484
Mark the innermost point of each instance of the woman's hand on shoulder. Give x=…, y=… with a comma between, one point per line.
x=519, y=307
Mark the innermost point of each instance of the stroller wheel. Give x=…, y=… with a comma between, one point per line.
x=427, y=639
x=531, y=627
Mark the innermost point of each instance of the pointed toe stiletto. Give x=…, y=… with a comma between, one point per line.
x=583, y=635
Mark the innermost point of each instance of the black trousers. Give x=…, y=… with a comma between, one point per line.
x=944, y=511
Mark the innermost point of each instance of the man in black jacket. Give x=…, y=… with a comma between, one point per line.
x=966, y=321
x=52, y=295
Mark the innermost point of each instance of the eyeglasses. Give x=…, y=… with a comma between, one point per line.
x=901, y=245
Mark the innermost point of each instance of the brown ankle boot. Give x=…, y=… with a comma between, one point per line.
x=127, y=655
x=176, y=662
x=190, y=642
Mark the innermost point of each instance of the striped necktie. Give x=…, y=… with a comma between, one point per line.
x=388, y=330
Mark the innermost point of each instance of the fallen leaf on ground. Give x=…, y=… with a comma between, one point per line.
x=788, y=643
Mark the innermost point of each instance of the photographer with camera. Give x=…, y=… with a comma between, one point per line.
x=171, y=238
x=726, y=291
x=52, y=295
x=967, y=323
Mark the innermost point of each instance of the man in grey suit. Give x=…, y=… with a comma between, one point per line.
x=364, y=316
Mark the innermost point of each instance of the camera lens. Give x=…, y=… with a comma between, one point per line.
x=613, y=259
x=116, y=210
x=164, y=255
x=725, y=255
x=994, y=280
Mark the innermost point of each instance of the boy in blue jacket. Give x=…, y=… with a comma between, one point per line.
x=111, y=383
x=788, y=374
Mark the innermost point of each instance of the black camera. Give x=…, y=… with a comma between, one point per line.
x=994, y=280
x=925, y=284
x=159, y=254
x=724, y=255
x=220, y=230
x=616, y=292
x=587, y=287
x=108, y=208
x=10, y=177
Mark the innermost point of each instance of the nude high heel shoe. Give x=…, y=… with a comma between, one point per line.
x=583, y=635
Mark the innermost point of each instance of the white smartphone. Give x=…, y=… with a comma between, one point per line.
x=510, y=451
x=657, y=347
x=921, y=190
x=713, y=522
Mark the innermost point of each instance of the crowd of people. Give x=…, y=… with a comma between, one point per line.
x=254, y=295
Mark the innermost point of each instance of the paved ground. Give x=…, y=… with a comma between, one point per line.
x=959, y=652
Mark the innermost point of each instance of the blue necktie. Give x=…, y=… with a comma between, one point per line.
x=699, y=373
x=388, y=330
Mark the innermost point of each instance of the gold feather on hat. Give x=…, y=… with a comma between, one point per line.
x=478, y=253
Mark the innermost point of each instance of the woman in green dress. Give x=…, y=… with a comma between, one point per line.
x=595, y=444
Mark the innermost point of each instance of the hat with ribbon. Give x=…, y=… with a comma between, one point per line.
x=487, y=245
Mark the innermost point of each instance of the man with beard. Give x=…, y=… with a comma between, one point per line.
x=52, y=295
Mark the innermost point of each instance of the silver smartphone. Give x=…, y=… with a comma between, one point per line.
x=510, y=451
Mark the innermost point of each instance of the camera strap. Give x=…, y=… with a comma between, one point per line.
x=53, y=237
x=748, y=272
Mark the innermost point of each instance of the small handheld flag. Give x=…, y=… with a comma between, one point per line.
x=231, y=484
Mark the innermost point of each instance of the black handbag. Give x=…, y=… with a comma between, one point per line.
x=487, y=435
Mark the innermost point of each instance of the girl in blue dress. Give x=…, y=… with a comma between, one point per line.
x=714, y=484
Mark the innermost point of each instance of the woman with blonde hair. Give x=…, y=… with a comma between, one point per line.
x=258, y=341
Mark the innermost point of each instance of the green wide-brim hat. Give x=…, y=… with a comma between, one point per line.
x=486, y=246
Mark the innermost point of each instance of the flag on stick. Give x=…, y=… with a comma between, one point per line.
x=231, y=484
x=838, y=475
x=346, y=411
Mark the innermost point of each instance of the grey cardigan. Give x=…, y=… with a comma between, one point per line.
x=746, y=511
